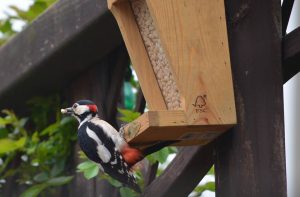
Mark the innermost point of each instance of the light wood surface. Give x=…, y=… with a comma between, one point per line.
x=155, y=126
x=194, y=36
x=138, y=54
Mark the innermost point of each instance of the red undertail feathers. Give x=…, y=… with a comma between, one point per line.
x=131, y=155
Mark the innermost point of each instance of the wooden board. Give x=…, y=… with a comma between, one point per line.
x=194, y=36
x=155, y=126
x=138, y=54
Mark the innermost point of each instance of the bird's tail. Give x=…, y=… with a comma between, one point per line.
x=131, y=183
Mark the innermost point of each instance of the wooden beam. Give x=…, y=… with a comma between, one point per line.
x=286, y=10
x=183, y=173
x=68, y=38
x=291, y=54
x=250, y=159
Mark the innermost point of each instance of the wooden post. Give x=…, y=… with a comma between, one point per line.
x=250, y=159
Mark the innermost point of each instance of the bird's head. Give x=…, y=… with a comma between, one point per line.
x=81, y=110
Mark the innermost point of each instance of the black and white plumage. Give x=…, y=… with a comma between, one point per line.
x=103, y=144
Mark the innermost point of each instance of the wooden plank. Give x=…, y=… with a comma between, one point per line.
x=250, y=159
x=183, y=174
x=291, y=54
x=286, y=10
x=194, y=37
x=68, y=38
x=155, y=126
x=139, y=56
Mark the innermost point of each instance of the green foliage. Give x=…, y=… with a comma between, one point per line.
x=42, y=147
x=89, y=169
x=208, y=186
x=128, y=115
x=130, y=87
x=27, y=16
x=38, y=188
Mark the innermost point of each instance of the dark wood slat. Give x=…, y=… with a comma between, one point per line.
x=71, y=36
x=102, y=85
x=149, y=171
x=122, y=61
x=250, y=159
x=183, y=173
x=286, y=10
x=291, y=54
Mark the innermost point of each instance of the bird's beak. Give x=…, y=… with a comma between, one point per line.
x=67, y=111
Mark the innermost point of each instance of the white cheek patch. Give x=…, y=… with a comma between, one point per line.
x=102, y=151
x=80, y=109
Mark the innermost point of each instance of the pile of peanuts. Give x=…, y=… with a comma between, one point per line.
x=156, y=54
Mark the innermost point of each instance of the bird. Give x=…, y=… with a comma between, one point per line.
x=103, y=144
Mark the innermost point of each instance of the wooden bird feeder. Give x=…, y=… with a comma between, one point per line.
x=179, y=50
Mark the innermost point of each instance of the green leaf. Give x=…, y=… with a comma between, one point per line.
x=35, y=137
x=89, y=169
x=161, y=155
x=50, y=129
x=34, y=190
x=3, y=132
x=86, y=165
x=82, y=155
x=41, y=177
x=67, y=120
x=8, y=145
x=208, y=186
x=211, y=171
x=128, y=115
x=126, y=192
x=6, y=27
x=59, y=180
x=57, y=168
x=91, y=172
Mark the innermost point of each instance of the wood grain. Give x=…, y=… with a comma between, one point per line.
x=155, y=126
x=138, y=54
x=194, y=36
x=250, y=159
x=183, y=173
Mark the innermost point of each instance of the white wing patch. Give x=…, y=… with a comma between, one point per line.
x=102, y=151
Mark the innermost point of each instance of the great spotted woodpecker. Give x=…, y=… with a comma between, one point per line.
x=103, y=144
